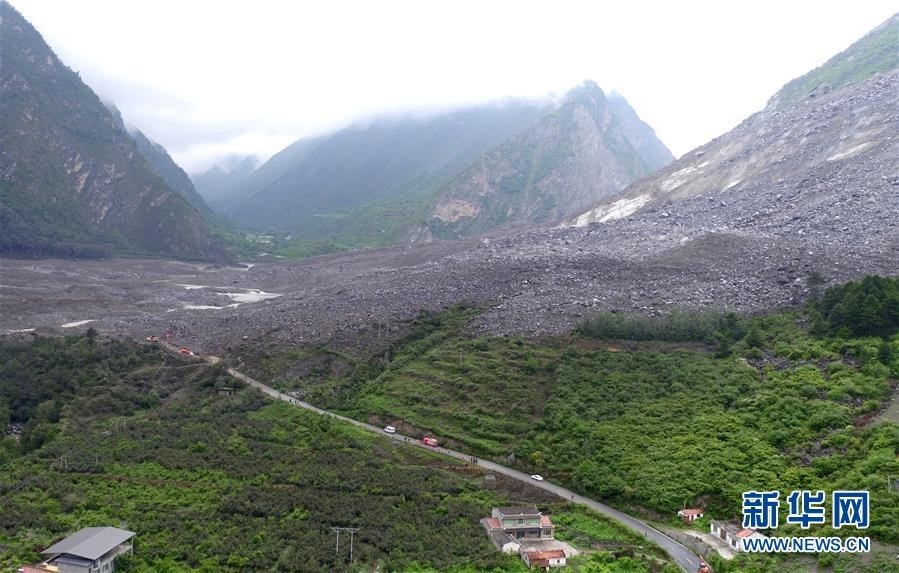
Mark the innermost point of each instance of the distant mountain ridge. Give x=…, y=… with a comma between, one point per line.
x=368, y=181
x=72, y=183
x=164, y=166
x=217, y=182
x=401, y=179
x=586, y=148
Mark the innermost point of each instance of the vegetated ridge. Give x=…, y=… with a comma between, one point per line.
x=877, y=52
x=369, y=181
x=161, y=163
x=585, y=149
x=72, y=183
x=399, y=179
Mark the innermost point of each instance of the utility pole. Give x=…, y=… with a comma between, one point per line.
x=352, y=531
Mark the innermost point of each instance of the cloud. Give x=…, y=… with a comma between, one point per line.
x=206, y=77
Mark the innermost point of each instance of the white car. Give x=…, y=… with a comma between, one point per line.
x=537, y=477
x=390, y=430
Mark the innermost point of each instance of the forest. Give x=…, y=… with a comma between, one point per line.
x=117, y=433
x=683, y=409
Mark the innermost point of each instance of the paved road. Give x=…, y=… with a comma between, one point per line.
x=686, y=559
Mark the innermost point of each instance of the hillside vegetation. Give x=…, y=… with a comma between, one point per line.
x=699, y=411
x=876, y=52
x=126, y=435
x=72, y=183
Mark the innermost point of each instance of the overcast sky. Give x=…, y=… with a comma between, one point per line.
x=211, y=78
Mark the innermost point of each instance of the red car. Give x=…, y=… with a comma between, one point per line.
x=429, y=441
x=186, y=351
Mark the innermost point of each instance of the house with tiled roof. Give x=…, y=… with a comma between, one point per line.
x=521, y=522
x=690, y=514
x=733, y=534
x=544, y=559
x=523, y=530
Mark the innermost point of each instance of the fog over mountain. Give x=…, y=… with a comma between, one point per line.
x=305, y=70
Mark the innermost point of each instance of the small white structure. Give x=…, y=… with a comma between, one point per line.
x=544, y=559
x=690, y=514
x=734, y=535
x=505, y=542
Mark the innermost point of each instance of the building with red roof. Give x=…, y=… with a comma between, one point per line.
x=690, y=514
x=544, y=559
x=733, y=535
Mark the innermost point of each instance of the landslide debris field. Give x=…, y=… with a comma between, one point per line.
x=820, y=199
x=533, y=283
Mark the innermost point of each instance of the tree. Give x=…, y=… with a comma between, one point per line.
x=884, y=354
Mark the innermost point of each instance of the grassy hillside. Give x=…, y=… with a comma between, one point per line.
x=876, y=52
x=126, y=435
x=698, y=411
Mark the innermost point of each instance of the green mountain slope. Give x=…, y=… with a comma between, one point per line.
x=648, y=412
x=72, y=183
x=457, y=174
x=876, y=52
x=239, y=482
x=164, y=166
x=586, y=149
x=316, y=187
x=161, y=163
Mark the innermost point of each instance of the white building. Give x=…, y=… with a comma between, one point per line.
x=734, y=535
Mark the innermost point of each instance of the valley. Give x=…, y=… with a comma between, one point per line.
x=423, y=312
x=531, y=283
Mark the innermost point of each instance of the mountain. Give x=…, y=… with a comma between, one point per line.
x=587, y=148
x=821, y=167
x=164, y=166
x=404, y=178
x=72, y=183
x=876, y=52
x=371, y=180
x=161, y=162
x=217, y=182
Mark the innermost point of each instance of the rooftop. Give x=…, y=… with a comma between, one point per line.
x=518, y=510
x=691, y=511
x=551, y=554
x=90, y=543
x=501, y=537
